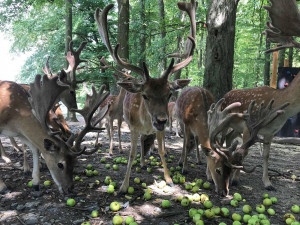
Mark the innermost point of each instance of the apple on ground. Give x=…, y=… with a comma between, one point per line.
x=247, y=209
x=144, y=185
x=185, y=202
x=196, y=217
x=236, y=223
x=266, y=195
x=237, y=196
x=267, y=202
x=199, y=222
x=216, y=210
x=115, y=167
x=95, y=213
x=130, y=190
x=206, y=185
x=29, y=184
x=207, y=204
x=114, y=206
x=274, y=199
x=138, y=169
x=295, y=208
x=236, y=217
x=260, y=208
x=246, y=218
x=107, y=166
x=137, y=180
x=129, y=220
x=47, y=183
x=117, y=220
x=71, y=202
x=271, y=211
x=77, y=178
x=86, y=223
x=165, y=204
x=234, y=203
x=192, y=212
x=224, y=212
x=147, y=196
x=209, y=213
x=89, y=166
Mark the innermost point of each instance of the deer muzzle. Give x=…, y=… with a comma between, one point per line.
x=159, y=121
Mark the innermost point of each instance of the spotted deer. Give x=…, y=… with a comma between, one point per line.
x=145, y=105
x=24, y=114
x=285, y=23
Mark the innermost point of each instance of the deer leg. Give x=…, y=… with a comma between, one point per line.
x=197, y=151
x=170, y=121
x=134, y=139
x=25, y=162
x=187, y=148
x=266, y=150
x=160, y=137
x=119, y=135
x=3, y=154
x=142, y=161
x=111, y=136
x=176, y=129
x=14, y=144
x=147, y=142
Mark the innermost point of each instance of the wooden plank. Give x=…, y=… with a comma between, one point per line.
x=273, y=82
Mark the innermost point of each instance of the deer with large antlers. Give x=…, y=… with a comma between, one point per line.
x=285, y=23
x=24, y=115
x=145, y=105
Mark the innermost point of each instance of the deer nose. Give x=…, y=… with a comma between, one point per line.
x=161, y=118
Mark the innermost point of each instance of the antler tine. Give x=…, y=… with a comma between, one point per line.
x=47, y=69
x=101, y=19
x=91, y=104
x=107, y=66
x=50, y=90
x=285, y=23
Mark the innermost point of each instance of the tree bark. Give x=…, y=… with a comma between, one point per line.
x=162, y=31
x=221, y=18
x=71, y=116
x=281, y=58
x=267, y=65
x=291, y=57
x=143, y=33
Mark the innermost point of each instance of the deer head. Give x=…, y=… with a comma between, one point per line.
x=155, y=92
x=60, y=155
x=222, y=161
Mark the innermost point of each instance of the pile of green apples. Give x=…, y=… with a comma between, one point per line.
x=89, y=172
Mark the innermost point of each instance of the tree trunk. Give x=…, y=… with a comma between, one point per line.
x=143, y=33
x=221, y=18
x=281, y=58
x=267, y=65
x=162, y=31
x=123, y=34
x=291, y=57
x=71, y=116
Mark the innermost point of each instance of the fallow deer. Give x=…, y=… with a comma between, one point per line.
x=285, y=23
x=145, y=104
x=172, y=117
x=24, y=115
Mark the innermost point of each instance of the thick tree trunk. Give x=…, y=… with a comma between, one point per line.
x=267, y=65
x=221, y=18
x=281, y=58
x=71, y=116
x=291, y=57
x=162, y=31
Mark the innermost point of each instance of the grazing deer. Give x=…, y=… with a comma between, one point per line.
x=285, y=24
x=24, y=115
x=145, y=104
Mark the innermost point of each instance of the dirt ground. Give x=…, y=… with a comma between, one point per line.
x=24, y=206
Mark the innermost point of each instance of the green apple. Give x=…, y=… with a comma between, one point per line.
x=199, y=222
x=222, y=223
x=260, y=208
x=114, y=206
x=99, y=151
x=147, y=196
x=295, y=223
x=89, y=166
x=171, y=156
x=89, y=173
x=247, y=209
x=196, y=217
x=165, y=204
x=216, y=210
x=130, y=190
x=137, y=180
x=246, y=218
x=192, y=212
x=107, y=166
x=195, y=189
x=149, y=169
x=234, y=203
x=209, y=214
x=264, y=222
x=47, y=183
x=129, y=219
x=224, y=212
x=71, y=202
x=262, y=216
x=203, y=198
x=236, y=217
x=267, y=202
x=188, y=187
x=274, y=199
x=196, y=197
x=134, y=162
x=115, y=167
x=103, y=160
x=253, y=221
x=86, y=223
x=182, y=179
x=199, y=182
x=110, y=189
x=295, y=209
x=266, y=195
x=206, y=185
x=178, y=168
x=172, y=168
x=95, y=172
x=237, y=196
x=117, y=220
x=77, y=178
x=200, y=211
x=207, y=204
x=193, y=165
x=94, y=213
x=271, y=212
x=236, y=223
x=185, y=202
x=97, y=182
x=144, y=185
x=289, y=221
x=138, y=169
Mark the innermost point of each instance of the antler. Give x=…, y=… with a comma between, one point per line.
x=43, y=96
x=91, y=104
x=47, y=69
x=119, y=74
x=73, y=57
x=285, y=23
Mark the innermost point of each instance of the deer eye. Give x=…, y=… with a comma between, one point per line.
x=60, y=166
x=218, y=171
x=145, y=97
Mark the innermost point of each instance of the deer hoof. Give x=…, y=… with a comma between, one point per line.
x=110, y=154
x=36, y=187
x=4, y=191
x=171, y=184
x=143, y=167
x=121, y=194
x=270, y=188
x=234, y=183
x=27, y=173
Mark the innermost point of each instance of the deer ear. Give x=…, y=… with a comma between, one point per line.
x=50, y=145
x=132, y=87
x=179, y=84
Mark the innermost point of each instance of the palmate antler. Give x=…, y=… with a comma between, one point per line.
x=219, y=120
x=284, y=25
x=101, y=19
